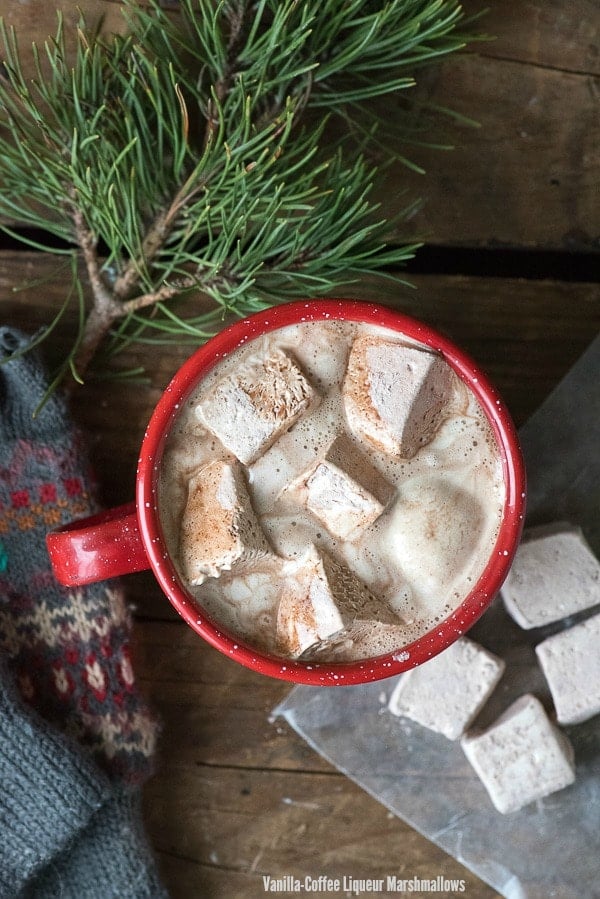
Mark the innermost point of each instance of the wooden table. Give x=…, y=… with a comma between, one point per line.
x=511, y=270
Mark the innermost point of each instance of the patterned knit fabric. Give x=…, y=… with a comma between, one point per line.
x=66, y=830
x=69, y=648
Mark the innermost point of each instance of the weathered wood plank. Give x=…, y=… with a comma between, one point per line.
x=541, y=32
x=548, y=33
x=254, y=823
x=36, y=21
x=527, y=177
x=214, y=712
x=514, y=329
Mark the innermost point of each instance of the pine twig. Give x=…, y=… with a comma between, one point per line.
x=183, y=154
x=104, y=310
x=107, y=306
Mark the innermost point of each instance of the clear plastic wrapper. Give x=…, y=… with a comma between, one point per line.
x=551, y=848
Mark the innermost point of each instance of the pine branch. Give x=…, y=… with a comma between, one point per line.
x=176, y=158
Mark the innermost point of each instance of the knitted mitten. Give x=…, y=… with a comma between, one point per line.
x=46, y=792
x=65, y=829
x=69, y=648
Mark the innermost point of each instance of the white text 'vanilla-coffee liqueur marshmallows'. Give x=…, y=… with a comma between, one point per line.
x=331, y=490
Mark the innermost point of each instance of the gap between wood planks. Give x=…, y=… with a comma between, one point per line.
x=506, y=262
x=431, y=259
x=535, y=64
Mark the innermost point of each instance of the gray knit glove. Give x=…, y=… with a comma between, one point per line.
x=65, y=830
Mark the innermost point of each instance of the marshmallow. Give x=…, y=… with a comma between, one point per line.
x=219, y=530
x=343, y=490
x=521, y=757
x=321, y=598
x=446, y=693
x=394, y=394
x=571, y=664
x=554, y=574
x=250, y=409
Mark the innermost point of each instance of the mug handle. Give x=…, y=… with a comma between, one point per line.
x=98, y=547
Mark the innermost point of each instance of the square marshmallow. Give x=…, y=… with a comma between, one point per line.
x=394, y=394
x=554, y=574
x=521, y=757
x=219, y=530
x=250, y=409
x=343, y=491
x=446, y=693
x=571, y=664
x=319, y=599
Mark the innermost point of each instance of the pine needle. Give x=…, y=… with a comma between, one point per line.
x=179, y=158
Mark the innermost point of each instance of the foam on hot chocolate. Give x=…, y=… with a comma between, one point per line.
x=425, y=518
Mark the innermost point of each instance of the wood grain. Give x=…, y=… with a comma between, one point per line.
x=238, y=795
x=271, y=823
x=513, y=328
x=545, y=33
x=528, y=175
x=548, y=33
x=35, y=21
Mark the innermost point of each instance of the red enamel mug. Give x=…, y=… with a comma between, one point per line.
x=130, y=538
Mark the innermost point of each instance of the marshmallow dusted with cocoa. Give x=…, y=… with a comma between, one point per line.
x=322, y=597
x=263, y=469
x=219, y=530
x=554, y=574
x=344, y=491
x=395, y=395
x=249, y=409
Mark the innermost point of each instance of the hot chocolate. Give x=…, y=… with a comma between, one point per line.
x=330, y=490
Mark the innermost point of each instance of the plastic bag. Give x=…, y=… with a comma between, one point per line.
x=550, y=848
